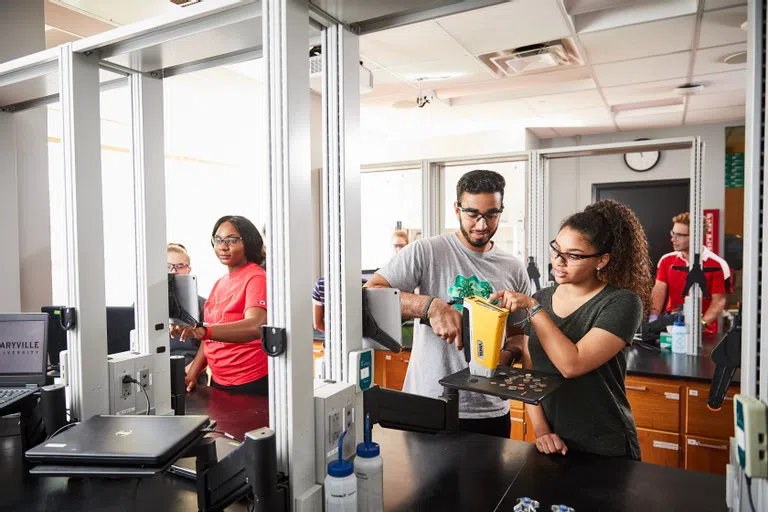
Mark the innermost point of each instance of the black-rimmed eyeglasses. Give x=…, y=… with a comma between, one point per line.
x=569, y=257
x=490, y=216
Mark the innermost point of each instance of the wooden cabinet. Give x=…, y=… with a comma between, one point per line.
x=395, y=369
x=654, y=405
x=518, y=425
x=379, y=368
x=702, y=421
x=661, y=448
x=706, y=454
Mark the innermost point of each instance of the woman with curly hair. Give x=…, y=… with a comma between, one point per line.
x=582, y=327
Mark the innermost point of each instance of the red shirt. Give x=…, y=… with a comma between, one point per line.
x=233, y=364
x=675, y=279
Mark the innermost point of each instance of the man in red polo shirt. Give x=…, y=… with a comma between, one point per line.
x=668, y=292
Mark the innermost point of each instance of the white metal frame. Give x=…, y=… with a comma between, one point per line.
x=341, y=201
x=539, y=187
x=80, y=141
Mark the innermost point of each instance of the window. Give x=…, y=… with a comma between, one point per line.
x=510, y=235
x=390, y=201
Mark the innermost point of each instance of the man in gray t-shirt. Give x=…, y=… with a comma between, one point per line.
x=448, y=267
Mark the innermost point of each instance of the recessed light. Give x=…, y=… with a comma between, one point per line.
x=689, y=89
x=736, y=58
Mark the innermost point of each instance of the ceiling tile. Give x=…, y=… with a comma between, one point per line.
x=387, y=84
x=565, y=102
x=508, y=25
x=718, y=4
x=643, y=70
x=459, y=70
x=718, y=100
x=494, y=111
x=723, y=27
x=652, y=121
x=641, y=40
x=711, y=59
x=718, y=82
x=636, y=93
x=368, y=63
x=631, y=13
x=410, y=44
x=716, y=115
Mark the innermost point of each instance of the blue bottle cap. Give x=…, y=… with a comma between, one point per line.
x=679, y=322
x=368, y=450
x=340, y=468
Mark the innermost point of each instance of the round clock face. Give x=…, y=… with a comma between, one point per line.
x=642, y=161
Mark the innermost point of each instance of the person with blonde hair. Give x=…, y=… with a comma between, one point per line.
x=399, y=240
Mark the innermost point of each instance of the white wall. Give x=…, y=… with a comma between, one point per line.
x=375, y=149
x=571, y=180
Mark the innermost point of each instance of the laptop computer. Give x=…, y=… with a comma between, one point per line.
x=186, y=467
x=23, y=356
x=120, y=441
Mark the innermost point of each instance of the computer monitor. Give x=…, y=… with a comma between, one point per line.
x=23, y=346
x=121, y=320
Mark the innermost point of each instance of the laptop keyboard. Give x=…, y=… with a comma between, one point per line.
x=7, y=395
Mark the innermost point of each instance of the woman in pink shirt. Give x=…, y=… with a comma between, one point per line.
x=234, y=313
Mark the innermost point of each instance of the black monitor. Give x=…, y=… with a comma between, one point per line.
x=120, y=322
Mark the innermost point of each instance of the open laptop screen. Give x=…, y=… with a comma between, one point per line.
x=23, y=346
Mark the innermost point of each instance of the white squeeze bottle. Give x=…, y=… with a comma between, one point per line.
x=341, y=484
x=369, y=470
x=679, y=337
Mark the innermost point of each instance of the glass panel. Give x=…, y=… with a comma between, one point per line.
x=390, y=201
x=510, y=235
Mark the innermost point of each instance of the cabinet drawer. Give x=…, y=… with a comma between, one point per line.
x=700, y=421
x=654, y=406
x=517, y=405
x=518, y=425
x=380, y=368
x=662, y=448
x=706, y=454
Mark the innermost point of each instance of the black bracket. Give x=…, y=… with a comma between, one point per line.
x=696, y=276
x=67, y=315
x=273, y=340
x=533, y=273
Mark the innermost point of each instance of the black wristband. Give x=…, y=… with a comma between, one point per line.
x=426, y=309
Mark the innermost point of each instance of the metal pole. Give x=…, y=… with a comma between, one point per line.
x=290, y=237
x=79, y=86
x=148, y=155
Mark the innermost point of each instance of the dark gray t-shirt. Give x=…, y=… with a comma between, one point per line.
x=442, y=266
x=591, y=412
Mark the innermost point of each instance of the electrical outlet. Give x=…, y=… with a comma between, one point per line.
x=144, y=378
x=334, y=426
x=751, y=430
x=126, y=389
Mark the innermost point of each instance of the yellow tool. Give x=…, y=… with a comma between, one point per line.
x=483, y=329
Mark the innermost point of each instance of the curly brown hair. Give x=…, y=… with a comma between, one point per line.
x=614, y=229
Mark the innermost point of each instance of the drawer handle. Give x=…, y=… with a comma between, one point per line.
x=705, y=445
x=518, y=420
x=636, y=388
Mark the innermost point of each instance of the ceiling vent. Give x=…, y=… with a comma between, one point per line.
x=185, y=3
x=532, y=58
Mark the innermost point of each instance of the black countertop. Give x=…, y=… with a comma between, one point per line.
x=421, y=472
x=645, y=362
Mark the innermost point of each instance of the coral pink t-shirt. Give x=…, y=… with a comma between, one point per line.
x=233, y=364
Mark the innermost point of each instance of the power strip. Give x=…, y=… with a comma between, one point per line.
x=751, y=430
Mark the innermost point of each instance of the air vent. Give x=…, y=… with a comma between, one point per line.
x=532, y=58
x=185, y=3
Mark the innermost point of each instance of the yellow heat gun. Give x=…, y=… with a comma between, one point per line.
x=483, y=328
